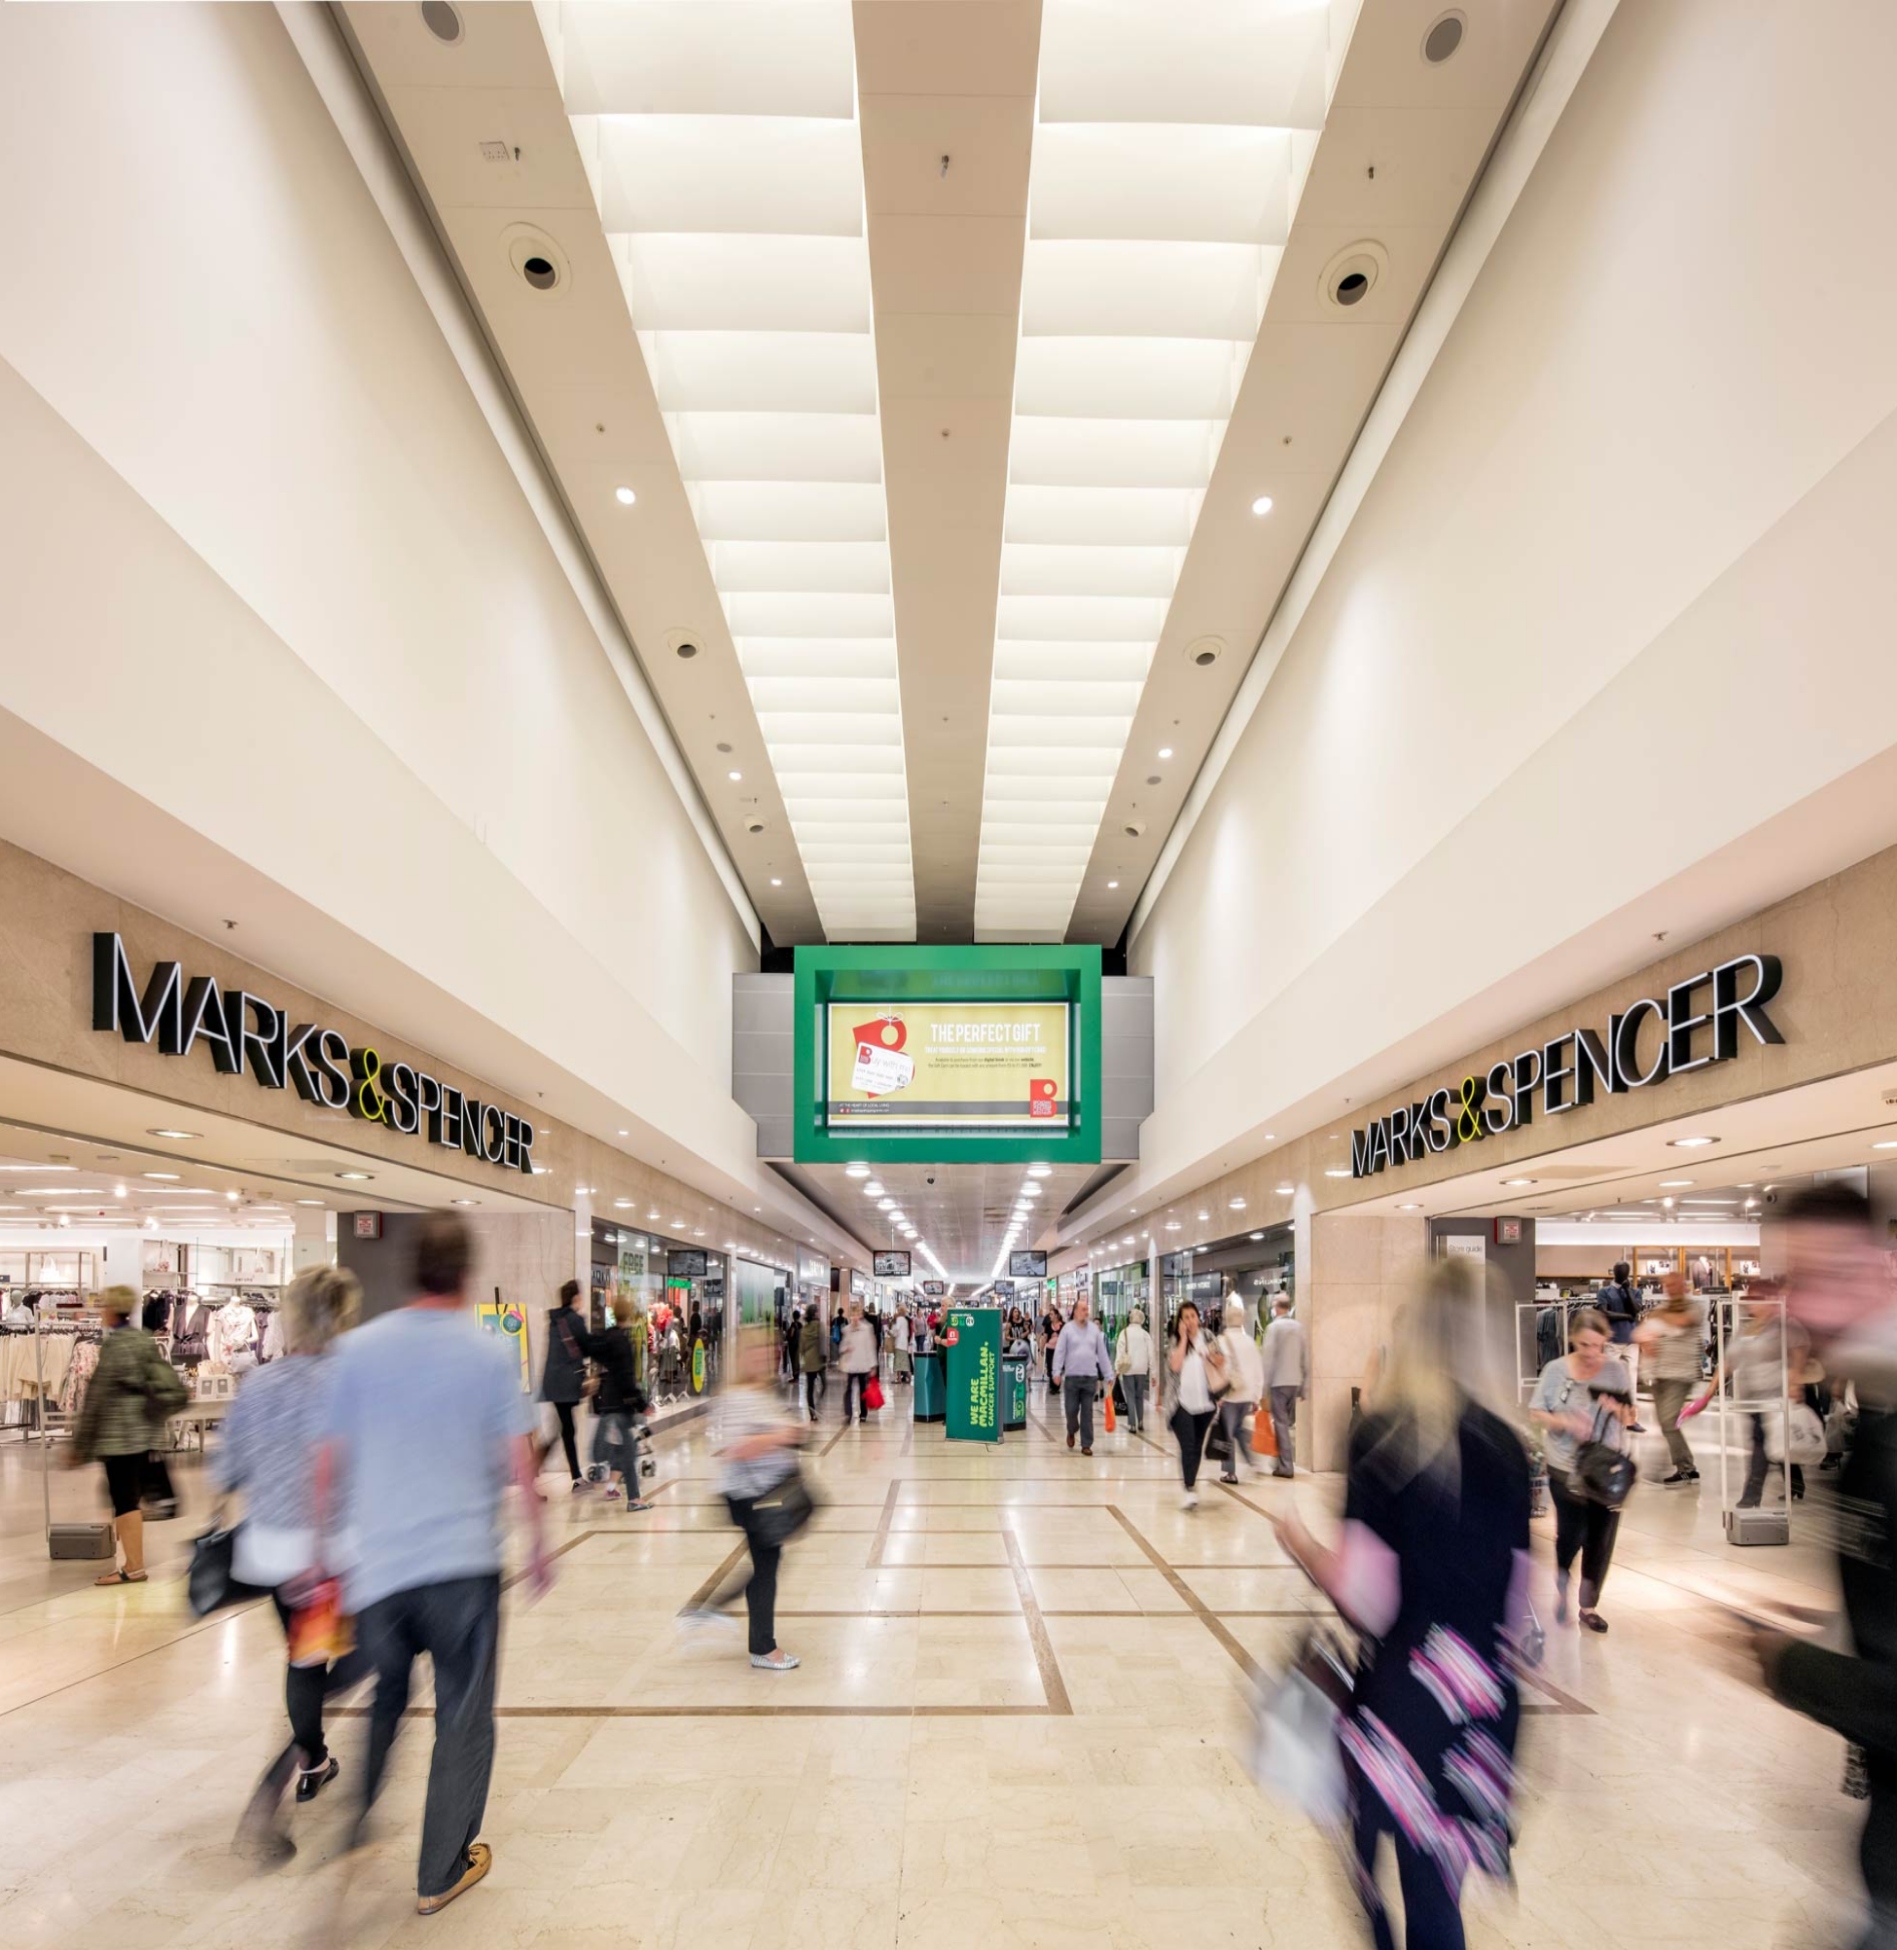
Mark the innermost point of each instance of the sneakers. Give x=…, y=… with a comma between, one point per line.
x=1681, y=1476
x=311, y=1781
x=778, y=1661
x=1190, y=1501
x=705, y=1619
x=480, y=1860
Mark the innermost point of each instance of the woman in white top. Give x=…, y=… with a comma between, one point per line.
x=1245, y=1365
x=899, y=1362
x=858, y=1361
x=1195, y=1369
x=1583, y=1397
x=1136, y=1364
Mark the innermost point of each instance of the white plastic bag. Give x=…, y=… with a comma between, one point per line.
x=1800, y=1431
x=1294, y=1749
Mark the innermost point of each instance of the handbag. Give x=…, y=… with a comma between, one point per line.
x=1295, y=1754
x=782, y=1511
x=1603, y=1474
x=211, y=1583
x=872, y=1393
x=1797, y=1437
x=1218, y=1445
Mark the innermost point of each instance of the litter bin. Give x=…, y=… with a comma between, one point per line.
x=931, y=1389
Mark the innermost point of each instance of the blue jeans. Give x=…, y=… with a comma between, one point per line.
x=458, y=1624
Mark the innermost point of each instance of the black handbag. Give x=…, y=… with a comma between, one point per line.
x=782, y=1511
x=1218, y=1444
x=211, y=1584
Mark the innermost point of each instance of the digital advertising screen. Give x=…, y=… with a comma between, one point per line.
x=1027, y=1266
x=948, y=1066
x=891, y=1266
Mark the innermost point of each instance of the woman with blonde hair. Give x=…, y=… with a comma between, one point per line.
x=1432, y=1570
x=268, y=1451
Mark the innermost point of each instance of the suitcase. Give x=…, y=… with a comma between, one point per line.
x=1758, y=1527
x=81, y=1540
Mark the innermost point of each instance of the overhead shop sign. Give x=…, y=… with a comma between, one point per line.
x=1645, y=1044
x=246, y=1034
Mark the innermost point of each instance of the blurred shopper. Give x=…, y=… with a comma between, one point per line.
x=1287, y=1362
x=619, y=1402
x=1432, y=1568
x=1194, y=1373
x=426, y=1424
x=1245, y=1372
x=1840, y=1295
x=563, y=1373
x=857, y=1358
x=811, y=1360
x=1081, y=1363
x=268, y=1450
x=1672, y=1344
x=900, y=1363
x=1769, y=1362
x=133, y=1391
x=787, y=1349
x=1051, y=1324
x=1580, y=1399
x=1136, y=1364
x=757, y=1460
x=1619, y=1305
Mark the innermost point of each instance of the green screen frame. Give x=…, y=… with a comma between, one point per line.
x=981, y=973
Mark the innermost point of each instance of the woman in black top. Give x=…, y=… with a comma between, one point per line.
x=618, y=1401
x=1432, y=1569
x=563, y=1375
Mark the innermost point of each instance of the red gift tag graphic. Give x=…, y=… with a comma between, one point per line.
x=886, y=1032
x=1041, y=1092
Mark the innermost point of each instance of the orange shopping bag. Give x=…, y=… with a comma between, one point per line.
x=1109, y=1411
x=1264, y=1438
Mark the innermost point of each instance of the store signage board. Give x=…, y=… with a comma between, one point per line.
x=984, y=1054
x=247, y=1034
x=1027, y=1266
x=947, y=1066
x=368, y=1225
x=971, y=1337
x=890, y=1266
x=1698, y=1023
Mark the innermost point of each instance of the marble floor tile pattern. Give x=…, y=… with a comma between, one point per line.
x=1020, y=1720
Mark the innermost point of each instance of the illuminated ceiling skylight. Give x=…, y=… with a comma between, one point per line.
x=726, y=157
x=1170, y=146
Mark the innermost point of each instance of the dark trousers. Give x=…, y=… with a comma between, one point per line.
x=306, y=1687
x=813, y=1392
x=1077, y=1392
x=564, y=1410
x=1284, y=1426
x=1190, y=1430
x=1877, y=1857
x=1582, y=1525
x=853, y=1386
x=759, y=1584
x=1757, y=1466
x=458, y=1624
x=1432, y=1915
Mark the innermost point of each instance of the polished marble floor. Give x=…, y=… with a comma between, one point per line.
x=1020, y=1720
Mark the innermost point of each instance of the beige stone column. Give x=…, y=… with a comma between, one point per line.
x=1359, y=1272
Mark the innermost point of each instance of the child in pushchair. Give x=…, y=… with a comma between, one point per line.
x=622, y=1449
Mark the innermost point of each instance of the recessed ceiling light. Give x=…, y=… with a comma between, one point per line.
x=1258, y=1235
x=1885, y=1144
x=624, y=496
x=1676, y=1184
x=164, y=1177
x=1512, y=1184
x=464, y=1201
x=1238, y=1205
x=1172, y=1225
x=1262, y=506
x=360, y=1176
x=232, y=1196
x=622, y=1204
x=1336, y=1172
x=1111, y=885
x=777, y=883
x=1409, y=1208
x=309, y=1201
x=1285, y=1191
x=625, y=1134
x=734, y=777
x=1165, y=751
x=173, y=1134
x=543, y=1171
x=1690, y=1144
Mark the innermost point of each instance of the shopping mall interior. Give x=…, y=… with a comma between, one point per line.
x=1088, y=752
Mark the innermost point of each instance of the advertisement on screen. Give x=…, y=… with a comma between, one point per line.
x=945, y=1066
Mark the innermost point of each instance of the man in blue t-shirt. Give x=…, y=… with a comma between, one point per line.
x=426, y=1424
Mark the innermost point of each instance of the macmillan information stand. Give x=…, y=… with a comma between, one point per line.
x=1014, y=1392
x=971, y=1340
x=928, y=1384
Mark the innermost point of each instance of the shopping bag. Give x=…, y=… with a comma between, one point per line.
x=1218, y=1445
x=1264, y=1432
x=320, y=1630
x=872, y=1393
x=1111, y=1419
x=1295, y=1754
x=1800, y=1431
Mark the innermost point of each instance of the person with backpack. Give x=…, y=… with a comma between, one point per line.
x=563, y=1373
x=617, y=1403
x=811, y=1361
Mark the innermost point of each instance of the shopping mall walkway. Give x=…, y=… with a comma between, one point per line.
x=1020, y=1720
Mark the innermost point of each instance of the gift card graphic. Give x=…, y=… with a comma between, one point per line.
x=1041, y=1094
x=881, y=1068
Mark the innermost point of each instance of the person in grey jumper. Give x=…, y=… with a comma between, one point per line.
x=1082, y=1362
x=1287, y=1380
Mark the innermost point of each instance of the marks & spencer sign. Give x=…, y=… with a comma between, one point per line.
x=247, y=1035
x=1698, y=1023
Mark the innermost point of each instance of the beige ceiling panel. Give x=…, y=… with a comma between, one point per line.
x=948, y=47
x=500, y=47
x=955, y=266
x=1299, y=295
x=955, y=482
x=1309, y=388
x=1386, y=68
x=1386, y=168
x=983, y=139
x=447, y=129
x=932, y=357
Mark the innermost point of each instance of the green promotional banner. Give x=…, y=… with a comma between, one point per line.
x=1014, y=1389
x=972, y=1338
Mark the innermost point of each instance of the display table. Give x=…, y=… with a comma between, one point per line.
x=1014, y=1392
x=931, y=1388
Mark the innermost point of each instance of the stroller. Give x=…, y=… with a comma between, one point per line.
x=623, y=1443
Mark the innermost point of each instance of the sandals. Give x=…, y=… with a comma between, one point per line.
x=123, y=1577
